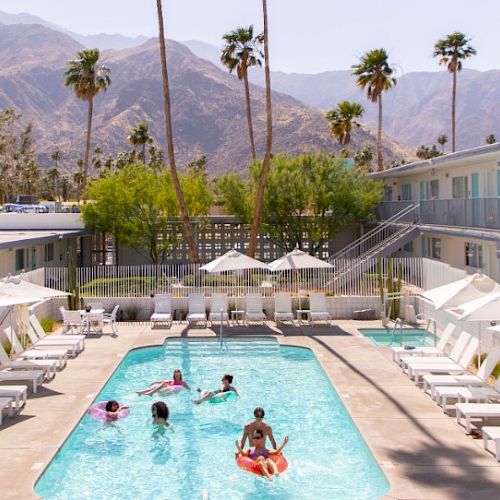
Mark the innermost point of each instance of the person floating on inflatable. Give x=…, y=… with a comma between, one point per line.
x=225, y=388
x=260, y=460
x=108, y=411
x=166, y=386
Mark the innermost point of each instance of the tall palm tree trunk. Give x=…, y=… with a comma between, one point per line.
x=87, y=143
x=259, y=201
x=249, y=115
x=453, y=110
x=380, y=160
x=170, y=143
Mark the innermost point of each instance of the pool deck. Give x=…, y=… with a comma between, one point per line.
x=423, y=453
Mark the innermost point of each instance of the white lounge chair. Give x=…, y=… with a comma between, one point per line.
x=60, y=355
x=196, y=309
x=438, y=350
x=254, y=309
x=283, y=308
x=63, y=340
x=72, y=320
x=110, y=319
x=462, y=366
x=18, y=392
x=479, y=394
x=163, y=310
x=34, y=376
x=455, y=382
x=5, y=403
x=476, y=410
x=48, y=366
x=36, y=343
x=218, y=302
x=318, y=309
x=493, y=433
x=455, y=353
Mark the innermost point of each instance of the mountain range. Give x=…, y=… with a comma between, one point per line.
x=208, y=104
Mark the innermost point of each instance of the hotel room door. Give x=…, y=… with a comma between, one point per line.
x=475, y=200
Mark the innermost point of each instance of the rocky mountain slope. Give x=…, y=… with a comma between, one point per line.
x=208, y=104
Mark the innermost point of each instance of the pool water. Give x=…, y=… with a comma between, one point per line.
x=327, y=456
x=407, y=336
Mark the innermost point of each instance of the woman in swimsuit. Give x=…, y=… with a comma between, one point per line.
x=165, y=386
x=261, y=454
x=226, y=387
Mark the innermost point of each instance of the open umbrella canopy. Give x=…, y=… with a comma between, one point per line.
x=233, y=261
x=7, y=300
x=458, y=292
x=485, y=308
x=16, y=287
x=297, y=259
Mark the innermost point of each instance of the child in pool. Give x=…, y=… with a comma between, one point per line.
x=160, y=414
x=261, y=454
x=165, y=386
x=227, y=380
x=113, y=409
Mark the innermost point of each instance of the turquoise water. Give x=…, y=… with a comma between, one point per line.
x=410, y=336
x=326, y=454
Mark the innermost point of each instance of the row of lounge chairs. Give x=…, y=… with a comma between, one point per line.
x=447, y=379
x=35, y=365
x=253, y=311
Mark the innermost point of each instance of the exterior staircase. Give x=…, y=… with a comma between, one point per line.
x=381, y=241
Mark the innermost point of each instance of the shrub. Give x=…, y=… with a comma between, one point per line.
x=48, y=324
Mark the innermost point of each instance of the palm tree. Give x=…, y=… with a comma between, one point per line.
x=451, y=51
x=53, y=177
x=87, y=78
x=188, y=233
x=259, y=198
x=442, y=140
x=375, y=74
x=491, y=139
x=242, y=50
x=342, y=119
x=139, y=136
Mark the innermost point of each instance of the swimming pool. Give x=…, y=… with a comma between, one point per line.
x=327, y=456
x=407, y=336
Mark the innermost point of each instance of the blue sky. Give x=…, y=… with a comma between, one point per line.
x=306, y=36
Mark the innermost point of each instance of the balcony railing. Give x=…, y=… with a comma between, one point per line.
x=465, y=212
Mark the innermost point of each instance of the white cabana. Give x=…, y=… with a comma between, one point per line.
x=461, y=291
x=233, y=261
x=297, y=259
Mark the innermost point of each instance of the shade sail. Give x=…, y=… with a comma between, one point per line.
x=485, y=308
x=233, y=261
x=297, y=259
x=461, y=291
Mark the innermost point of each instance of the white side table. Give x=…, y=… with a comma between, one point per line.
x=238, y=315
x=303, y=313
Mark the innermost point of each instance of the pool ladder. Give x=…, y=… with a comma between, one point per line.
x=430, y=322
x=397, y=324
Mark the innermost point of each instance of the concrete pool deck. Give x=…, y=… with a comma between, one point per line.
x=424, y=453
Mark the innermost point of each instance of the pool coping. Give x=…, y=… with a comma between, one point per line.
x=425, y=473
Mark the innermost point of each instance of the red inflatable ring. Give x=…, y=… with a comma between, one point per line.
x=250, y=465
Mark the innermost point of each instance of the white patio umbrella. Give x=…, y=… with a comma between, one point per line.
x=461, y=291
x=296, y=260
x=17, y=287
x=233, y=261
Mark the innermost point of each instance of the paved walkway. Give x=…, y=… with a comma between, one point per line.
x=423, y=452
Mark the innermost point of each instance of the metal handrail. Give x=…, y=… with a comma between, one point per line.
x=398, y=322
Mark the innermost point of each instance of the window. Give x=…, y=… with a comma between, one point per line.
x=473, y=255
x=48, y=252
x=436, y=248
x=435, y=190
x=460, y=187
x=406, y=192
x=20, y=259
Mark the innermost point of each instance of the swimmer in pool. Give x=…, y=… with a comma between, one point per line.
x=165, y=386
x=227, y=380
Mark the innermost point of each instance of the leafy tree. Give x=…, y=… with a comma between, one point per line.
x=364, y=157
x=426, y=152
x=376, y=75
x=186, y=224
x=442, y=140
x=259, y=199
x=452, y=50
x=342, y=119
x=139, y=136
x=242, y=51
x=137, y=206
x=316, y=195
x=87, y=78
x=491, y=139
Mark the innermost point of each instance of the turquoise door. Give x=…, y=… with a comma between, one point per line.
x=475, y=201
